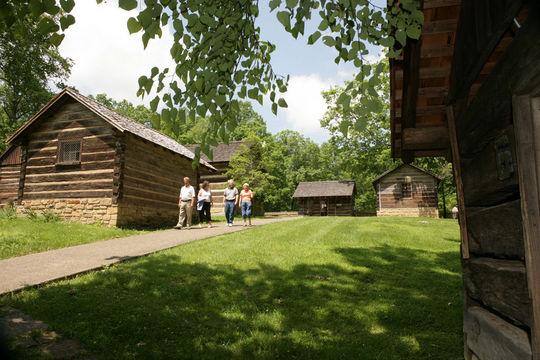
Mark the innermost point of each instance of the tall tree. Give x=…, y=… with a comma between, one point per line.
x=28, y=66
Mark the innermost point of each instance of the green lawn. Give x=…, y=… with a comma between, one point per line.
x=21, y=236
x=348, y=288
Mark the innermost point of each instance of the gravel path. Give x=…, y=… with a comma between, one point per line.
x=36, y=269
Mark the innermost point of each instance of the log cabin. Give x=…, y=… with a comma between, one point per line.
x=469, y=89
x=86, y=163
x=407, y=190
x=325, y=198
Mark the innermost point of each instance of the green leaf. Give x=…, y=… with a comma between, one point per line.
x=314, y=37
x=282, y=103
x=47, y=25
x=165, y=116
x=50, y=7
x=274, y=108
x=401, y=37
x=154, y=72
x=67, y=21
x=127, y=4
x=291, y=3
x=56, y=39
x=329, y=41
x=274, y=4
x=133, y=25
x=67, y=5
x=284, y=18
x=36, y=7
x=414, y=32
x=154, y=103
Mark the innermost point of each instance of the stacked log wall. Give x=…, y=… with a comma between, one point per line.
x=79, y=192
x=423, y=200
x=498, y=314
x=152, y=177
x=10, y=171
x=336, y=206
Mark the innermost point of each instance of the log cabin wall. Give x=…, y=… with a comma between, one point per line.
x=336, y=206
x=498, y=319
x=10, y=171
x=152, y=177
x=407, y=192
x=81, y=191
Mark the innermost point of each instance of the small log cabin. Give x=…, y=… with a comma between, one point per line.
x=407, y=191
x=86, y=163
x=469, y=89
x=325, y=198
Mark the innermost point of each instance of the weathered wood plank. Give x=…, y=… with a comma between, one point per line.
x=488, y=23
x=491, y=177
x=527, y=122
x=69, y=194
x=492, y=338
x=500, y=285
x=426, y=138
x=496, y=230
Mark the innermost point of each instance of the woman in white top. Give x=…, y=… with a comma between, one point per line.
x=204, y=204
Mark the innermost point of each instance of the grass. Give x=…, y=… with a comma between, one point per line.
x=21, y=235
x=349, y=288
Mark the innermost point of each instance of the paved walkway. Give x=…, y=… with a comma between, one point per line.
x=36, y=269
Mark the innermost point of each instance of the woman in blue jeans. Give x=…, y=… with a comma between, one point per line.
x=246, y=201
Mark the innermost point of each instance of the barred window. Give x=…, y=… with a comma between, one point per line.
x=69, y=152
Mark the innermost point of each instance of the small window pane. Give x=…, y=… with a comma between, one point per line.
x=70, y=152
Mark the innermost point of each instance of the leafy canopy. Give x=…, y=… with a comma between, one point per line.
x=219, y=56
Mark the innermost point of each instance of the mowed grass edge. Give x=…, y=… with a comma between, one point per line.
x=369, y=288
x=21, y=236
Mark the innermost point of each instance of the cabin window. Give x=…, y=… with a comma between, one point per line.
x=406, y=188
x=69, y=152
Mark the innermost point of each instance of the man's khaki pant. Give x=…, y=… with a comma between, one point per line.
x=185, y=213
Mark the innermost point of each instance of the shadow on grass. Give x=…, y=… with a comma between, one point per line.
x=381, y=303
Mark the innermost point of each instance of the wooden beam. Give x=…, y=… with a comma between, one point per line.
x=411, y=83
x=490, y=337
x=427, y=138
x=456, y=165
x=527, y=132
x=430, y=4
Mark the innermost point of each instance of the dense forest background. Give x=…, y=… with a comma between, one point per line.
x=273, y=163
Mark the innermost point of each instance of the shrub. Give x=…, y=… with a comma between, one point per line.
x=8, y=212
x=50, y=216
x=31, y=214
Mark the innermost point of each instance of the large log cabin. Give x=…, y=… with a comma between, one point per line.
x=86, y=163
x=469, y=89
x=407, y=190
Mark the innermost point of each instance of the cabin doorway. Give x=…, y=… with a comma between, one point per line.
x=324, y=207
x=527, y=132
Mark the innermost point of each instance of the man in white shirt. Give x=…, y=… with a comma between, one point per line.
x=186, y=203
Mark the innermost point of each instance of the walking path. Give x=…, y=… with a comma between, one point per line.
x=36, y=269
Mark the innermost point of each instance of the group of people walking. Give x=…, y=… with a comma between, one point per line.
x=203, y=202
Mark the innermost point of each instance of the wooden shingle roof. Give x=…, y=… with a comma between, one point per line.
x=221, y=152
x=120, y=122
x=325, y=188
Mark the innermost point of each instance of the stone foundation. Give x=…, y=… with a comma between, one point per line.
x=131, y=215
x=87, y=211
x=410, y=212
